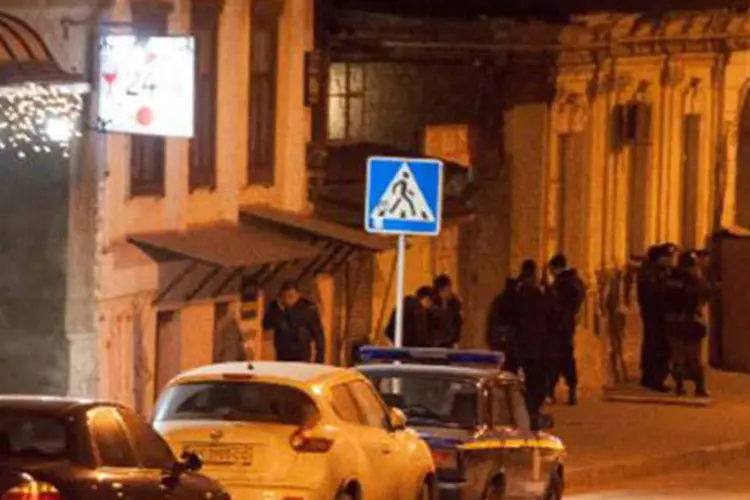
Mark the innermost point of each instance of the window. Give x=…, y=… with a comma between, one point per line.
x=345, y=406
x=148, y=154
x=26, y=435
x=205, y=21
x=520, y=413
x=370, y=405
x=432, y=401
x=640, y=166
x=153, y=452
x=502, y=413
x=690, y=179
x=109, y=438
x=237, y=402
x=346, y=101
x=264, y=47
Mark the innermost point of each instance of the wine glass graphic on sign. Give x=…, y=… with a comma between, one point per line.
x=109, y=74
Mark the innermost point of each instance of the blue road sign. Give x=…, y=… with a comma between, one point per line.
x=403, y=196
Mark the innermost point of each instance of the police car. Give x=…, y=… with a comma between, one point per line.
x=473, y=417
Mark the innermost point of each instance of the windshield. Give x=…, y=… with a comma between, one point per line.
x=29, y=436
x=431, y=401
x=236, y=401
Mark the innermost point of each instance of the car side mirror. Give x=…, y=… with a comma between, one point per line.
x=398, y=419
x=191, y=461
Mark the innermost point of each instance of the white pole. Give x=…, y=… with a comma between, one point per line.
x=401, y=256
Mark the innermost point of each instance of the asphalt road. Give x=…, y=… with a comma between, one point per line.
x=718, y=482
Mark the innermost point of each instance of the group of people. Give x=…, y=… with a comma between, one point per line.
x=533, y=321
x=432, y=317
x=672, y=294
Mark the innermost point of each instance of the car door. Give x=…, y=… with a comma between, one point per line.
x=534, y=460
x=116, y=462
x=372, y=439
x=512, y=455
x=154, y=457
x=393, y=468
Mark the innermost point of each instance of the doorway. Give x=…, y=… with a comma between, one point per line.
x=742, y=184
x=167, y=348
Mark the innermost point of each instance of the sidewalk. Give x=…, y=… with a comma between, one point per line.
x=610, y=441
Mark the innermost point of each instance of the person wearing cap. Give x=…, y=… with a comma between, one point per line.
x=416, y=323
x=446, y=319
x=686, y=293
x=296, y=326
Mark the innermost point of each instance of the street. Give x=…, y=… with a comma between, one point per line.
x=718, y=482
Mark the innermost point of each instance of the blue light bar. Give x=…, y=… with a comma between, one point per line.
x=368, y=354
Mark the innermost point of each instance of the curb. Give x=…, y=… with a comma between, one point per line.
x=604, y=475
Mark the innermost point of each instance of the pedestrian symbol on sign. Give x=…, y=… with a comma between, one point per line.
x=402, y=200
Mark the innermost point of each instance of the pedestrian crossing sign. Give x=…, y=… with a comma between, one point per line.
x=403, y=196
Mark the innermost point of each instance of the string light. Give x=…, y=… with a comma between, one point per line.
x=38, y=119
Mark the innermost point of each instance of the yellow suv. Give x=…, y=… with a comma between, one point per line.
x=294, y=431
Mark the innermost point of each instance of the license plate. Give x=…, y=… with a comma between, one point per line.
x=224, y=454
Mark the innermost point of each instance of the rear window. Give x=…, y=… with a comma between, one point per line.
x=30, y=436
x=236, y=401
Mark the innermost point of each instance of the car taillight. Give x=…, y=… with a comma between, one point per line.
x=303, y=441
x=32, y=490
x=445, y=459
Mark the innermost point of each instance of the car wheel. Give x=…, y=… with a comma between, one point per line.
x=495, y=490
x=554, y=490
x=424, y=492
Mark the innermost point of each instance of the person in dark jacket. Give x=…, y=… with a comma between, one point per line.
x=655, y=346
x=296, y=326
x=446, y=319
x=416, y=326
x=567, y=294
x=531, y=324
x=500, y=334
x=686, y=294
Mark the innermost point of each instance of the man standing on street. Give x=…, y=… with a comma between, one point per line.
x=501, y=335
x=655, y=348
x=416, y=327
x=296, y=325
x=446, y=320
x=567, y=295
x=532, y=329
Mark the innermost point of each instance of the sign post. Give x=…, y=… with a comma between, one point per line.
x=403, y=196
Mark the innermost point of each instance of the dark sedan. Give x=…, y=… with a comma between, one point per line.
x=66, y=449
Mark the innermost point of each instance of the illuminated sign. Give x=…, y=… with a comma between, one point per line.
x=146, y=86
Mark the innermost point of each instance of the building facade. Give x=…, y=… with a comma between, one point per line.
x=616, y=132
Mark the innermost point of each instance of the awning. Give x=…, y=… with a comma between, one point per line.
x=24, y=57
x=316, y=228
x=220, y=258
x=224, y=245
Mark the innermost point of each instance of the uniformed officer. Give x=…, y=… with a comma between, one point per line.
x=655, y=347
x=296, y=325
x=686, y=293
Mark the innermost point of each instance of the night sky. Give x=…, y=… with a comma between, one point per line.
x=542, y=9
